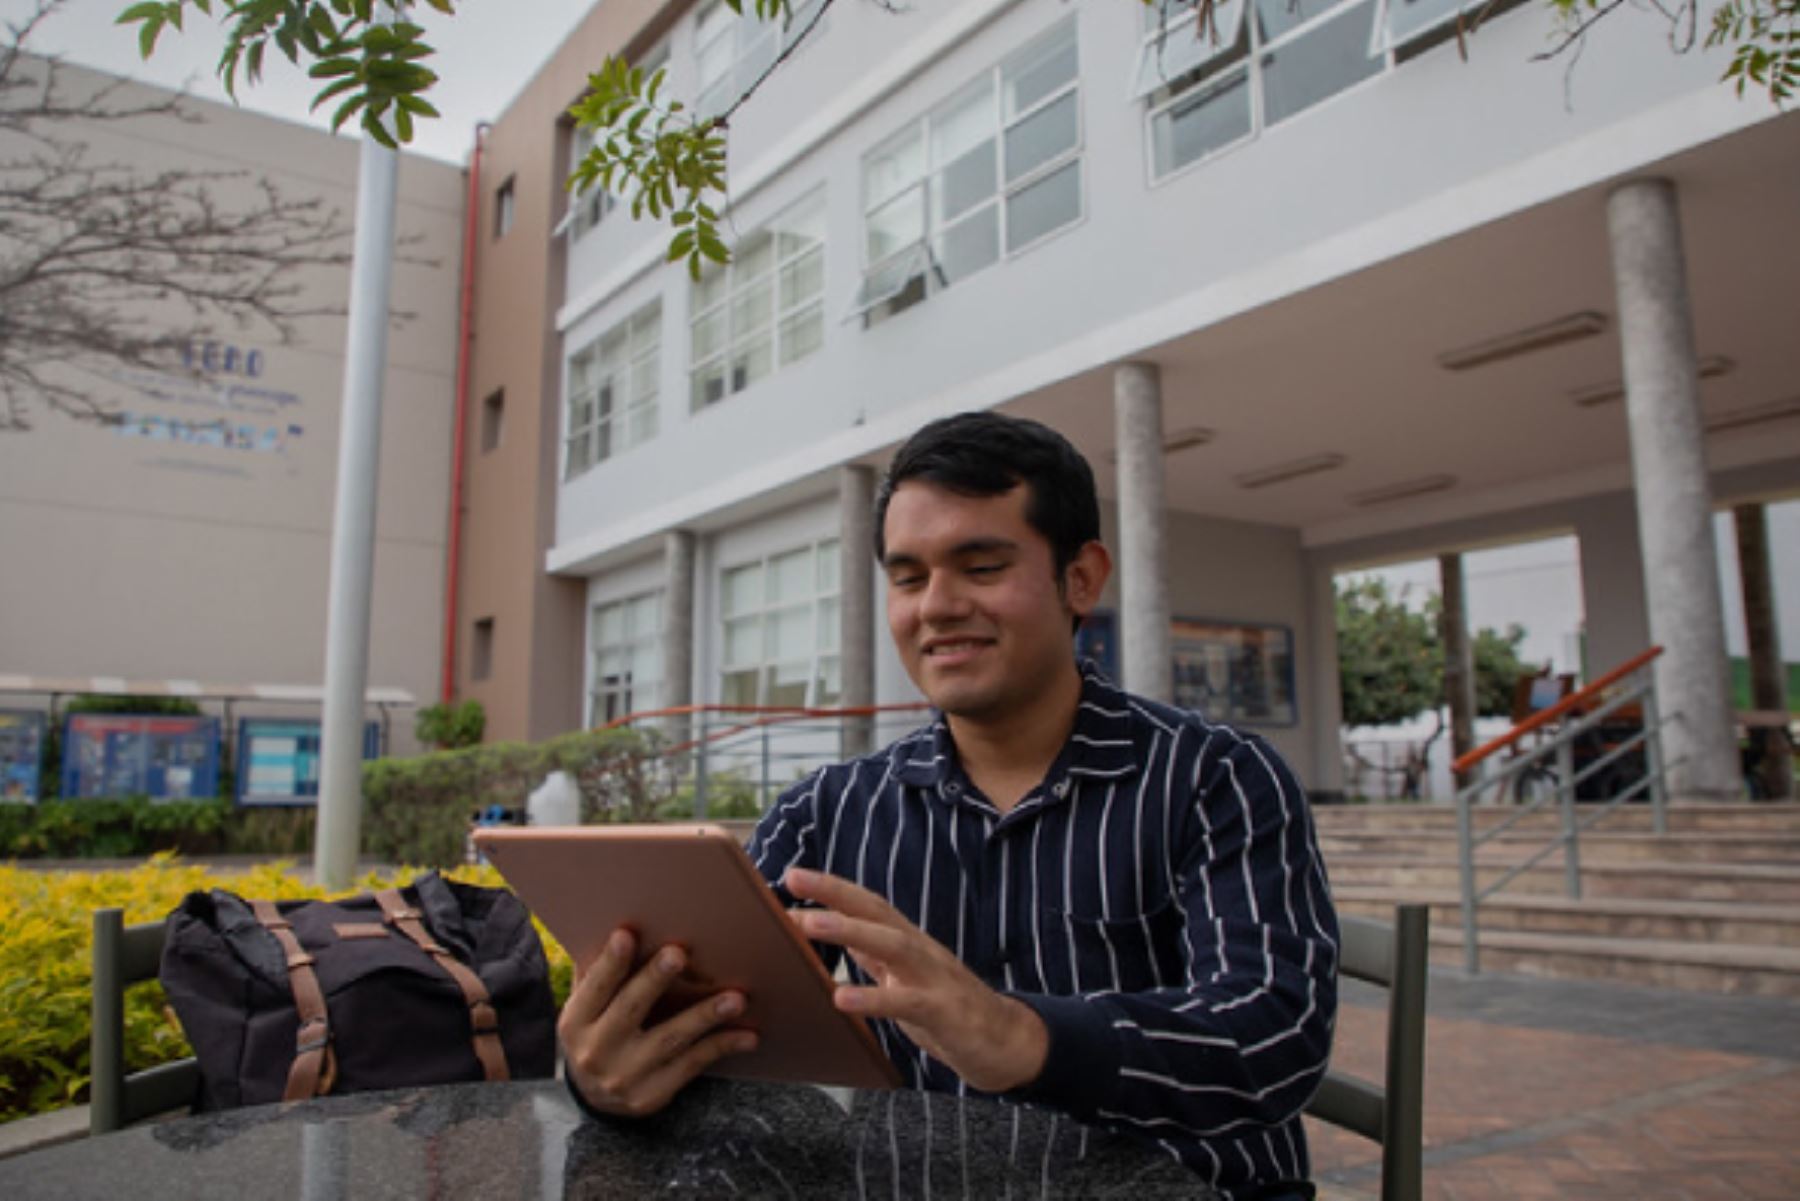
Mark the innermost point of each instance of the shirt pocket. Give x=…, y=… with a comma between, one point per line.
x=1078, y=953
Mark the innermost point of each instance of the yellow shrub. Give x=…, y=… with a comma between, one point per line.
x=46, y=934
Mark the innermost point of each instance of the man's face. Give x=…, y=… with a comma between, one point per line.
x=974, y=603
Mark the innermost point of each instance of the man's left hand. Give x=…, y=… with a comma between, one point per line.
x=994, y=1042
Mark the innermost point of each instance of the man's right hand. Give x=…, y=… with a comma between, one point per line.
x=618, y=1065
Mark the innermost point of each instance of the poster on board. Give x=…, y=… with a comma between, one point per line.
x=21, y=754
x=278, y=760
x=121, y=755
x=1235, y=671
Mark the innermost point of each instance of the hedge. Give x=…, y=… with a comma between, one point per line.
x=46, y=933
x=417, y=810
x=414, y=810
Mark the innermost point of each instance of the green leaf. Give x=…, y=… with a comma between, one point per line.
x=147, y=37
x=331, y=68
x=148, y=11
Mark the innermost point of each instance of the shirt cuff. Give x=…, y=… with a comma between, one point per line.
x=1081, y=1067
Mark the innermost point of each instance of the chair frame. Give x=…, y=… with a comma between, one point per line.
x=123, y=956
x=1393, y=956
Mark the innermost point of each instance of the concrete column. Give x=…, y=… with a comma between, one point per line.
x=856, y=602
x=1146, y=660
x=1321, y=695
x=678, y=629
x=1674, y=499
x=1459, y=656
x=1768, y=675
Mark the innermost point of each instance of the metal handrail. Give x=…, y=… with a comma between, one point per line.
x=753, y=738
x=1545, y=716
x=1561, y=745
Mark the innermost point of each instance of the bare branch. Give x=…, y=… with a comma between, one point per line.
x=107, y=272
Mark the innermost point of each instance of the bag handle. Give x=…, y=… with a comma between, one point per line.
x=314, y=1071
x=482, y=1017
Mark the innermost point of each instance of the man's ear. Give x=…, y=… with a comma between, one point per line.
x=1084, y=579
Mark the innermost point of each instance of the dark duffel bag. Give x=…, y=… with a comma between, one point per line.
x=431, y=984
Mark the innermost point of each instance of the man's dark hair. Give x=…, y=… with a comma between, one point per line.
x=988, y=454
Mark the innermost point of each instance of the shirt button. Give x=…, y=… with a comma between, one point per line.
x=1061, y=789
x=952, y=788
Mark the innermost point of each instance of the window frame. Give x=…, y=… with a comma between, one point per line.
x=825, y=656
x=749, y=36
x=1214, y=72
x=600, y=694
x=612, y=428
x=920, y=256
x=809, y=207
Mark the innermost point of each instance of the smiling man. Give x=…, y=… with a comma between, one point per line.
x=1055, y=892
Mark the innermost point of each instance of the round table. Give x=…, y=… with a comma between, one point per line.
x=528, y=1140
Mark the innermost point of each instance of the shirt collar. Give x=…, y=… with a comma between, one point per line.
x=1102, y=745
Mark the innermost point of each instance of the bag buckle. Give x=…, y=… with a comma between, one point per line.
x=303, y=1044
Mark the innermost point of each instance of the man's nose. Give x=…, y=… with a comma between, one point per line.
x=944, y=598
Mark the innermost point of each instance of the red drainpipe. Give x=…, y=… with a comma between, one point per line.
x=465, y=336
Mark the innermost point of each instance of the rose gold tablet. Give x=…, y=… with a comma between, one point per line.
x=695, y=886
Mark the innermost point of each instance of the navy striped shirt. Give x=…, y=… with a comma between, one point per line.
x=1158, y=900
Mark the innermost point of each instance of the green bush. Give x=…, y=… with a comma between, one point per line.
x=449, y=727
x=112, y=829
x=418, y=810
x=46, y=956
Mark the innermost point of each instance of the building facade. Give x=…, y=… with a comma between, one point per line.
x=1313, y=293
x=188, y=539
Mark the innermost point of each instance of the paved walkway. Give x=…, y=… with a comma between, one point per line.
x=1579, y=1090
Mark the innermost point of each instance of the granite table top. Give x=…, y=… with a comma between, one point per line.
x=528, y=1140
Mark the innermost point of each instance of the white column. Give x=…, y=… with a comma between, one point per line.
x=339, y=833
x=1674, y=498
x=856, y=601
x=678, y=629
x=1145, y=655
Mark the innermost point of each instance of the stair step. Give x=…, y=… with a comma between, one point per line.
x=1647, y=879
x=1702, y=967
x=1616, y=917
x=1774, y=817
x=1599, y=844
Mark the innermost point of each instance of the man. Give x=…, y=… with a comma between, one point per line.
x=1055, y=892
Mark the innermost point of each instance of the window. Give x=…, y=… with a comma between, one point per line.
x=493, y=413
x=781, y=629
x=587, y=209
x=625, y=639
x=733, y=51
x=503, y=208
x=987, y=173
x=481, y=649
x=764, y=309
x=613, y=386
x=1261, y=62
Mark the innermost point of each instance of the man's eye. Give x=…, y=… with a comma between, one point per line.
x=905, y=581
x=986, y=568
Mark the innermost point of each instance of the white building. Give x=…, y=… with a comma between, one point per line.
x=1372, y=282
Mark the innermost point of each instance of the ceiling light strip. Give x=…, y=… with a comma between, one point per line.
x=1282, y=472
x=1572, y=328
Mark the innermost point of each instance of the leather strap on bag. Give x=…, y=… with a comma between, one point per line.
x=482, y=1016
x=315, y=1064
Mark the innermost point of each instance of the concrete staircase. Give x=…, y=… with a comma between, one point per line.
x=1713, y=905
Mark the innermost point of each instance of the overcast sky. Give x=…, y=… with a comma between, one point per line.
x=485, y=54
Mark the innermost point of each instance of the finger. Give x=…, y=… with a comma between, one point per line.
x=867, y=939
x=593, y=989
x=835, y=892
x=632, y=1003
x=901, y=1004
x=668, y=1041
x=661, y=1086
